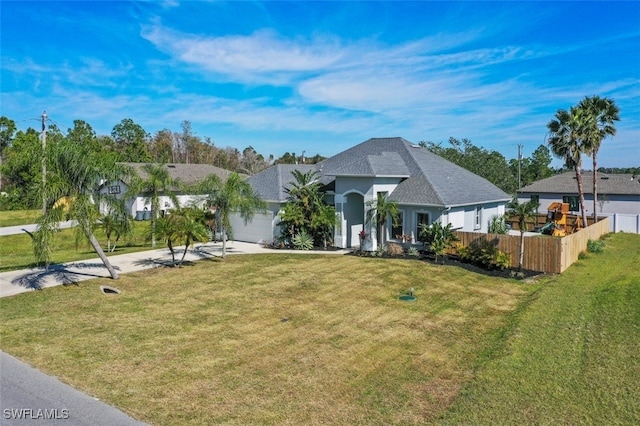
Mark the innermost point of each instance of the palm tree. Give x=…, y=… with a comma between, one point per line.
x=156, y=181
x=116, y=225
x=379, y=211
x=566, y=136
x=233, y=196
x=191, y=227
x=600, y=116
x=526, y=213
x=75, y=174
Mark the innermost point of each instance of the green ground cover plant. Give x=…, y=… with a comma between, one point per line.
x=268, y=339
x=306, y=339
x=16, y=251
x=19, y=217
x=573, y=355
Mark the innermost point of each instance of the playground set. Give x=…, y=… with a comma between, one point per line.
x=559, y=222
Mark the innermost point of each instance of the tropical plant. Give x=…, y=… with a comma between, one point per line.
x=190, y=227
x=155, y=181
x=600, y=114
x=117, y=225
x=302, y=241
x=235, y=195
x=497, y=225
x=566, y=138
x=525, y=212
x=306, y=209
x=437, y=237
x=167, y=230
x=379, y=211
x=76, y=173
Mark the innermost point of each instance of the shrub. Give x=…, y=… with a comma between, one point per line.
x=302, y=241
x=484, y=254
x=413, y=252
x=595, y=246
x=395, y=249
x=498, y=225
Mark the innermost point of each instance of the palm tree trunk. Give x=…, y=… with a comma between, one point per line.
x=521, y=260
x=186, y=247
x=96, y=246
x=595, y=186
x=581, y=193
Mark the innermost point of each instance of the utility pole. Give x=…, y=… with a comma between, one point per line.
x=519, y=161
x=44, y=162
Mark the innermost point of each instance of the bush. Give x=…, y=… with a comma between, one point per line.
x=302, y=241
x=595, y=246
x=484, y=254
x=395, y=249
x=498, y=225
x=413, y=252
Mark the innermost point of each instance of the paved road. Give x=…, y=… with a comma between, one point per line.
x=30, y=397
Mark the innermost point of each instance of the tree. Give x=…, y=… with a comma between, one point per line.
x=131, y=141
x=525, y=213
x=155, y=181
x=233, y=196
x=76, y=173
x=190, y=227
x=116, y=224
x=7, y=133
x=566, y=135
x=306, y=211
x=600, y=114
x=379, y=211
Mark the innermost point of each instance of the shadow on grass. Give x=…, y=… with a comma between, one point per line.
x=60, y=273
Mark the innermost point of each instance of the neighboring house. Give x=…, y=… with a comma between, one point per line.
x=426, y=187
x=140, y=205
x=618, y=194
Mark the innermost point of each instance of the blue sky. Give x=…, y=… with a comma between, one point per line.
x=323, y=76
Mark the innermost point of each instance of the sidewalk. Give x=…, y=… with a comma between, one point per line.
x=16, y=282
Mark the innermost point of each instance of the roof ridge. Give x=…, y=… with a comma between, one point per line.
x=408, y=146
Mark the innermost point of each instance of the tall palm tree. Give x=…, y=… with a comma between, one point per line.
x=156, y=180
x=565, y=137
x=76, y=173
x=600, y=116
x=526, y=213
x=233, y=196
x=379, y=211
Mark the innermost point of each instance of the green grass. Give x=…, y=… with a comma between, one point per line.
x=268, y=339
x=310, y=339
x=16, y=251
x=573, y=355
x=19, y=217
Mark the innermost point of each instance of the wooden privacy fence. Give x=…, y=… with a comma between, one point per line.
x=541, y=253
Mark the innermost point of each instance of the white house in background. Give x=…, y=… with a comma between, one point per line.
x=426, y=187
x=618, y=196
x=139, y=206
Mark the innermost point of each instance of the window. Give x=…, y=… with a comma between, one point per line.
x=422, y=218
x=398, y=231
x=478, y=218
x=573, y=201
x=535, y=198
x=114, y=189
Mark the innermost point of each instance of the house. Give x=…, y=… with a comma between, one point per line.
x=139, y=206
x=426, y=187
x=618, y=196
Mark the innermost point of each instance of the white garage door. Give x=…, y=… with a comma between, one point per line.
x=259, y=229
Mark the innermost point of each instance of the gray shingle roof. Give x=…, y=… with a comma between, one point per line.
x=432, y=179
x=428, y=178
x=566, y=183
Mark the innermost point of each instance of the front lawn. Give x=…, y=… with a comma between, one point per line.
x=19, y=217
x=313, y=339
x=269, y=339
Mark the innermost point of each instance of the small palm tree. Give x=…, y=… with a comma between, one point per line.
x=526, y=213
x=156, y=181
x=233, y=196
x=600, y=116
x=379, y=211
x=116, y=225
x=191, y=228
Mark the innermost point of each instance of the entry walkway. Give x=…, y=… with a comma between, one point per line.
x=16, y=282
